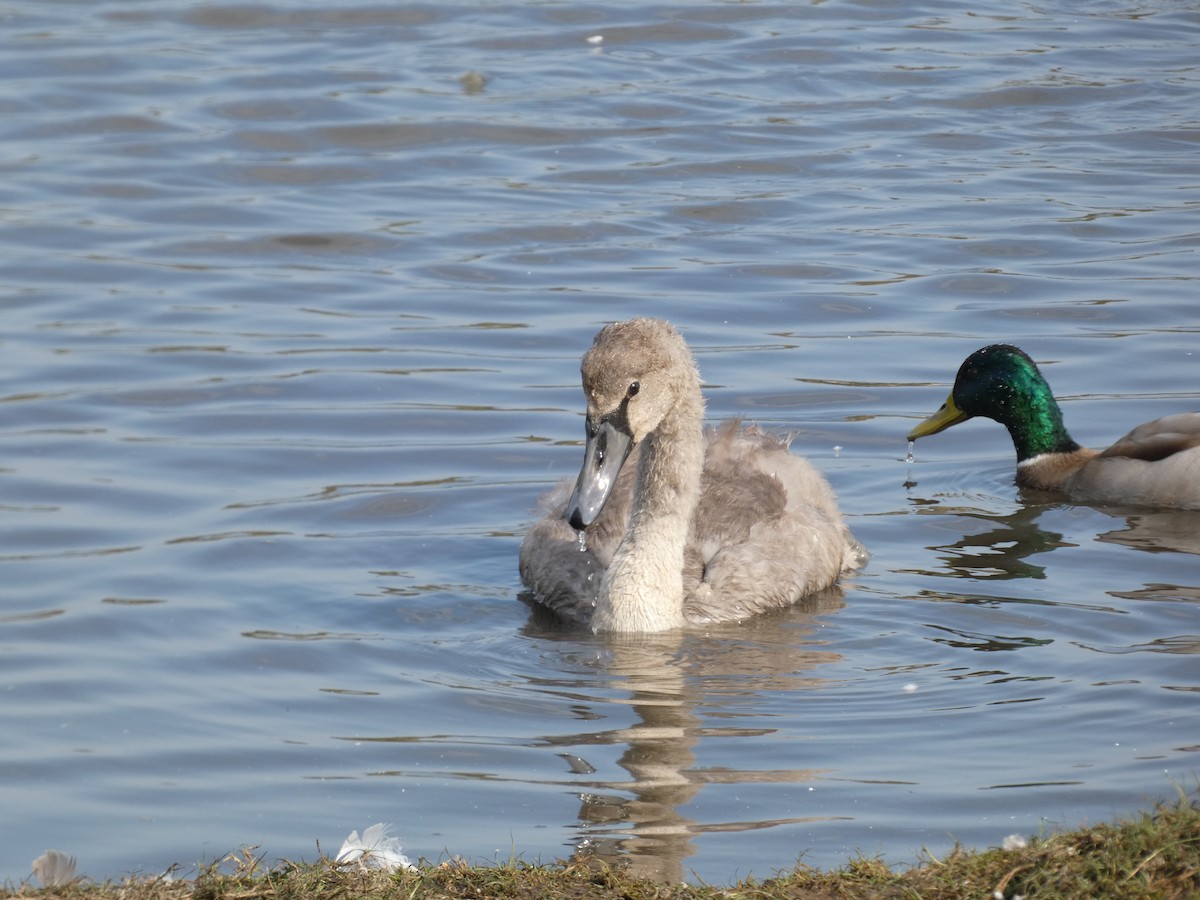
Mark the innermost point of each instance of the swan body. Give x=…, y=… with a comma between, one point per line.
x=669, y=525
x=1156, y=464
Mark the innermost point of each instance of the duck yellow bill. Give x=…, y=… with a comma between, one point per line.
x=947, y=415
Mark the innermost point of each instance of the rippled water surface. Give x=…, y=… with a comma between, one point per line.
x=293, y=300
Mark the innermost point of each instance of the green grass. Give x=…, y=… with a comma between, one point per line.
x=1154, y=855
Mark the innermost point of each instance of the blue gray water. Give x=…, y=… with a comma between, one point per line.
x=293, y=300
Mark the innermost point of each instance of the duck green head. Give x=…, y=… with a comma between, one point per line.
x=1002, y=383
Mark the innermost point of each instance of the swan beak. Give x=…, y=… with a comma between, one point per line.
x=949, y=414
x=607, y=449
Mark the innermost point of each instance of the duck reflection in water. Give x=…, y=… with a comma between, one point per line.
x=1003, y=549
x=1174, y=530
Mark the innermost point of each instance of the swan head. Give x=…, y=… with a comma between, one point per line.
x=634, y=375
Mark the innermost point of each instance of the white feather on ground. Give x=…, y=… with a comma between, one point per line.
x=54, y=868
x=374, y=850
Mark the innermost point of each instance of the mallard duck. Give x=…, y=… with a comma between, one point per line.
x=1156, y=464
x=668, y=525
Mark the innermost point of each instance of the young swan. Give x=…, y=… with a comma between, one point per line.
x=1156, y=464
x=697, y=528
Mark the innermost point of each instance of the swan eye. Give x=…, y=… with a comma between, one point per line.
x=634, y=387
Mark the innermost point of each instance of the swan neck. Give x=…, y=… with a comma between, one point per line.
x=643, y=589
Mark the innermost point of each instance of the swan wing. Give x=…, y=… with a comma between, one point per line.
x=767, y=532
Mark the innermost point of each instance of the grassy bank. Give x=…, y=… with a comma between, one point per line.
x=1154, y=855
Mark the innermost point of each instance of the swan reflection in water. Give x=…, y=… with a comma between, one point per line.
x=665, y=679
